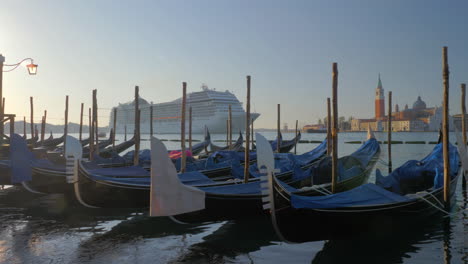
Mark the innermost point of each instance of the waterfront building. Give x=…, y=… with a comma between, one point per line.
x=417, y=118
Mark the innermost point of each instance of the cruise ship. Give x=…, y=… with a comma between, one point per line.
x=209, y=108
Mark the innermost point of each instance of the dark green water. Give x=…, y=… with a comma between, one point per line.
x=46, y=229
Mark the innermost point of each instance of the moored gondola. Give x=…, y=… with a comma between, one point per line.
x=245, y=200
x=236, y=146
x=410, y=194
x=130, y=186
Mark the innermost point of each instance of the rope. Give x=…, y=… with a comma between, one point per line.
x=433, y=205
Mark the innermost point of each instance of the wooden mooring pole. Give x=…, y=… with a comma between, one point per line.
x=389, y=132
x=115, y=127
x=125, y=132
x=91, y=134
x=252, y=134
x=445, y=127
x=335, y=127
x=65, y=129
x=81, y=121
x=44, y=122
x=278, y=129
x=463, y=108
x=329, y=139
x=295, y=136
x=230, y=126
x=247, y=133
x=24, y=127
x=190, y=130
x=136, y=156
x=32, y=116
x=96, y=124
x=182, y=127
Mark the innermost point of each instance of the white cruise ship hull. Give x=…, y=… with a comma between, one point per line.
x=215, y=124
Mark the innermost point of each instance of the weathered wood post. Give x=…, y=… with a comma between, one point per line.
x=229, y=127
x=24, y=127
x=252, y=134
x=81, y=121
x=389, y=132
x=278, y=130
x=91, y=134
x=43, y=126
x=65, y=129
x=32, y=116
x=247, y=133
x=115, y=127
x=190, y=129
x=335, y=127
x=329, y=139
x=125, y=132
x=182, y=127
x=445, y=127
x=136, y=156
x=295, y=136
x=463, y=107
x=12, y=122
x=95, y=122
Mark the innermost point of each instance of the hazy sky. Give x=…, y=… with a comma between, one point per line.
x=286, y=46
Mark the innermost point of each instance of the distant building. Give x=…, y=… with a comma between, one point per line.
x=418, y=118
x=318, y=128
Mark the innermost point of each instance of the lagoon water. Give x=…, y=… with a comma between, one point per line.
x=45, y=229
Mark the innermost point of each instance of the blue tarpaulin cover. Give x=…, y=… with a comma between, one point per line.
x=20, y=159
x=419, y=174
x=367, y=194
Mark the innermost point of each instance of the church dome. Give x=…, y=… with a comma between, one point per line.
x=419, y=104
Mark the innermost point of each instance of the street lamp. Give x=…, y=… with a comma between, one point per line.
x=32, y=70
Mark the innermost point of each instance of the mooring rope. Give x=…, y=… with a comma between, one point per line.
x=421, y=196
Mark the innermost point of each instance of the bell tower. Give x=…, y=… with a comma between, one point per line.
x=379, y=101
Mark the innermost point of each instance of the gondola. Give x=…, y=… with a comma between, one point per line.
x=119, y=148
x=101, y=145
x=130, y=186
x=286, y=145
x=48, y=174
x=31, y=141
x=245, y=200
x=51, y=143
x=410, y=194
x=236, y=146
x=85, y=141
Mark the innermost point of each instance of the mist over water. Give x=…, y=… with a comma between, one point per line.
x=48, y=229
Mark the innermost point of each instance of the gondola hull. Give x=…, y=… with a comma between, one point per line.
x=303, y=225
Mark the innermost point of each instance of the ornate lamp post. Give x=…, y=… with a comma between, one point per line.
x=32, y=70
